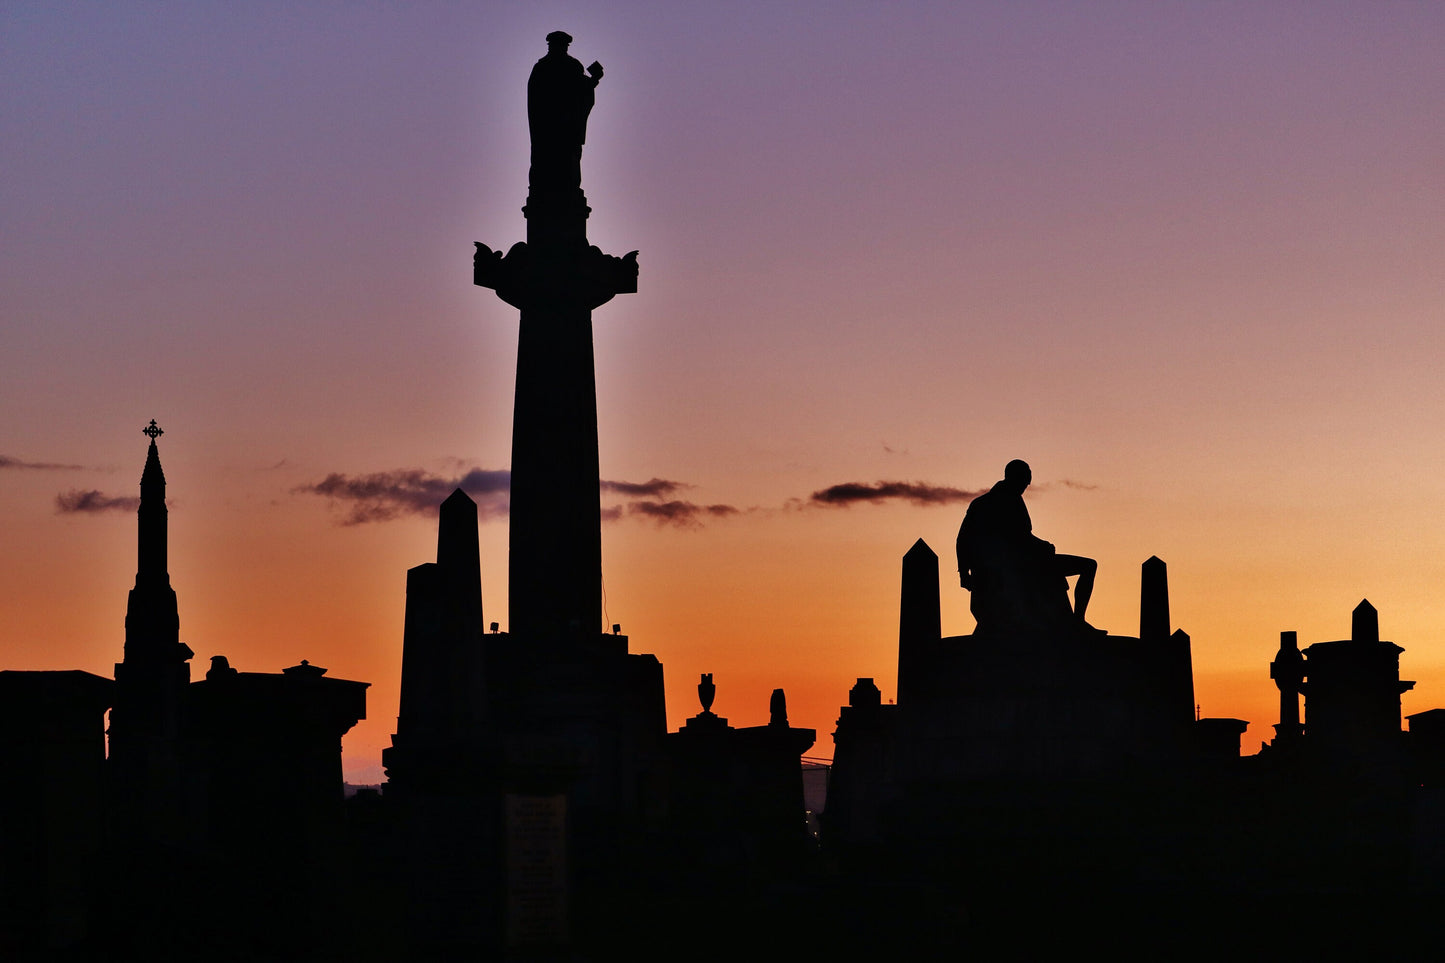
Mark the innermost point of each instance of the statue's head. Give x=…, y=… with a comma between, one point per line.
x=1017, y=473
x=557, y=41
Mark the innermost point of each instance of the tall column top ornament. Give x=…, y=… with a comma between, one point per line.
x=560, y=95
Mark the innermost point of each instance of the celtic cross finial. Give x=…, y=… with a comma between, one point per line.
x=152, y=430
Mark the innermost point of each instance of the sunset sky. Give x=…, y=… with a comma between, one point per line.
x=1186, y=259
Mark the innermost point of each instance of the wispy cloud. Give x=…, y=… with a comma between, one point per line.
x=7, y=462
x=916, y=493
x=92, y=502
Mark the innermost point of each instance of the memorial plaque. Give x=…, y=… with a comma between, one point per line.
x=536, y=870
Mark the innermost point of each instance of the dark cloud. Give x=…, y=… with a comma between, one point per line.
x=484, y=482
x=917, y=493
x=646, y=500
x=1081, y=486
x=7, y=462
x=76, y=501
x=386, y=495
x=655, y=488
x=679, y=513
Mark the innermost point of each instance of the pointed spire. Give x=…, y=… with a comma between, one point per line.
x=152, y=535
x=152, y=626
x=152, y=475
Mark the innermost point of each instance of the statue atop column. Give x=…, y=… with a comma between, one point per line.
x=559, y=98
x=1018, y=581
x=560, y=95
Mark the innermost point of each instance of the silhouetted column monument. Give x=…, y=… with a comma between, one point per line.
x=556, y=278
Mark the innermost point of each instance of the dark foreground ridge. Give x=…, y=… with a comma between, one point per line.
x=1040, y=786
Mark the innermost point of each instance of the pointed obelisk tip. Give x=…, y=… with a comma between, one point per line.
x=459, y=560
x=920, y=621
x=1154, y=599
x=1365, y=623
x=457, y=530
x=920, y=549
x=456, y=499
x=919, y=617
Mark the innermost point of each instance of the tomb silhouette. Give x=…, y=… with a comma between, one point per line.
x=1063, y=770
x=741, y=790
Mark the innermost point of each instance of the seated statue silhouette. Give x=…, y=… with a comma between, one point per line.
x=1018, y=582
x=559, y=98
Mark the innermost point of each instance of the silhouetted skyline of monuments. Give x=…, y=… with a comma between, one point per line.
x=1038, y=785
x=224, y=791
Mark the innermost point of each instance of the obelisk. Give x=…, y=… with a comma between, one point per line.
x=556, y=278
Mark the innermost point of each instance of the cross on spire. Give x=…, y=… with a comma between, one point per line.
x=153, y=431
